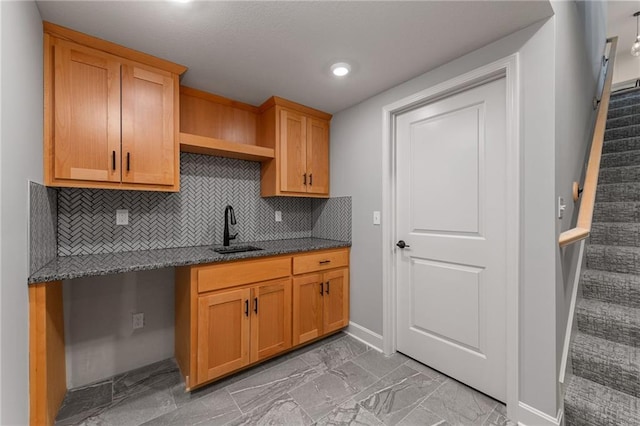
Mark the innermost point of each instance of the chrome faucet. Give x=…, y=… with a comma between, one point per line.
x=226, y=238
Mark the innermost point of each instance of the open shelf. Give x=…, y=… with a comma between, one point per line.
x=212, y=146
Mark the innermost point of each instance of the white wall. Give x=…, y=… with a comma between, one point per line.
x=100, y=341
x=580, y=42
x=627, y=68
x=357, y=133
x=20, y=161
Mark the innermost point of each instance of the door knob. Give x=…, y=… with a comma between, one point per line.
x=402, y=244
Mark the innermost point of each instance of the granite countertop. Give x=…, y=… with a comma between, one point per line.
x=68, y=267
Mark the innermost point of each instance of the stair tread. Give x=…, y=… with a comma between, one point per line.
x=617, y=211
x=611, y=321
x=620, y=174
x=606, y=362
x=620, y=159
x=590, y=403
x=613, y=287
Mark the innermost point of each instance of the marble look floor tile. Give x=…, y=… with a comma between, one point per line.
x=215, y=408
x=84, y=402
x=459, y=404
x=429, y=372
x=349, y=413
x=182, y=397
x=157, y=376
x=335, y=353
x=357, y=377
x=135, y=409
x=332, y=388
x=281, y=411
x=498, y=417
x=270, y=384
x=396, y=394
x=378, y=363
x=420, y=416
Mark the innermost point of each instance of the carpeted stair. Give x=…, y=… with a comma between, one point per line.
x=605, y=353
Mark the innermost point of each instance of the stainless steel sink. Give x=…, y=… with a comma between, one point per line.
x=235, y=249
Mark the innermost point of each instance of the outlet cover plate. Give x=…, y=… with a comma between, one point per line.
x=138, y=320
x=122, y=217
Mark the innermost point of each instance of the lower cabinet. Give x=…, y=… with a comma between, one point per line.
x=234, y=314
x=240, y=327
x=320, y=304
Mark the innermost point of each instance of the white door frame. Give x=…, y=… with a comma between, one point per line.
x=507, y=68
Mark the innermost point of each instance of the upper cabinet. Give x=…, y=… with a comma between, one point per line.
x=300, y=137
x=111, y=115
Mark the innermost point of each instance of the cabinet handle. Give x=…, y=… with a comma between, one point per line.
x=113, y=160
x=304, y=181
x=255, y=307
x=246, y=307
x=327, y=287
x=128, y=161
x=324, y=262
x=321, y=289
x=311, y=179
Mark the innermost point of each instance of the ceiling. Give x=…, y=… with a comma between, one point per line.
x=249, y=51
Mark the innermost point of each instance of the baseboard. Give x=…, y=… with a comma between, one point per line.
x=365, y=335
x=529, y=416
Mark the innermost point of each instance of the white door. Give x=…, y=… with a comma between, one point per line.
x=450, y=210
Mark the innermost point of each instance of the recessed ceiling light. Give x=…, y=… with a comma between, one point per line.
x=340, y=69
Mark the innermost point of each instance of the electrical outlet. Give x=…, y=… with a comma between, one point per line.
x=278, y=216
x=138, y=320
x=122, y=217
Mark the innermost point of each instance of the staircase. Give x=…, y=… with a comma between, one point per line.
x=605, y=353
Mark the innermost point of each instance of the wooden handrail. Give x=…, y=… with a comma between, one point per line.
x=585, y=215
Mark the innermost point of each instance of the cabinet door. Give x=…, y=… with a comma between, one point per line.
x=318, y=156
x=271, y=321
x=307, y=308
x=293, y=152
x=87, y=114
x=336, y=300
x=223, y=333
x=148, y=131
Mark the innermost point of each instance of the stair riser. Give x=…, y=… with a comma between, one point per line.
x=615, y=259
x=624, y=330
x=618, y=102
x=589, y=404
x=620, y=159
x=626, y=120
x=612, y=290
x=629, y=191
x=622, y=132
x=615, y=234
x=621, y=145
x=616, y=374
x=617, y=212
x=619, y=175
x=621, y=112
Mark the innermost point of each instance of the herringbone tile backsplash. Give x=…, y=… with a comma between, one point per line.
x=195, y=215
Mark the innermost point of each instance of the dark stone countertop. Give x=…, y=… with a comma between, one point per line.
x=68, y=267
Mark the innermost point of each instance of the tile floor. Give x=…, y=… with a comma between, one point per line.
x=337, y=381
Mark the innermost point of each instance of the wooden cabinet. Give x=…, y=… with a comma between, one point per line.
x=239, y=327
x=320, y=304
x=234, y=314
x=111, y=115
x=300, y=137
x=223, y=333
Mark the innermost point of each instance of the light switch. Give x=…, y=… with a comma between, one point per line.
x=122, y=217
x=278, y=216
x=376, y=218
